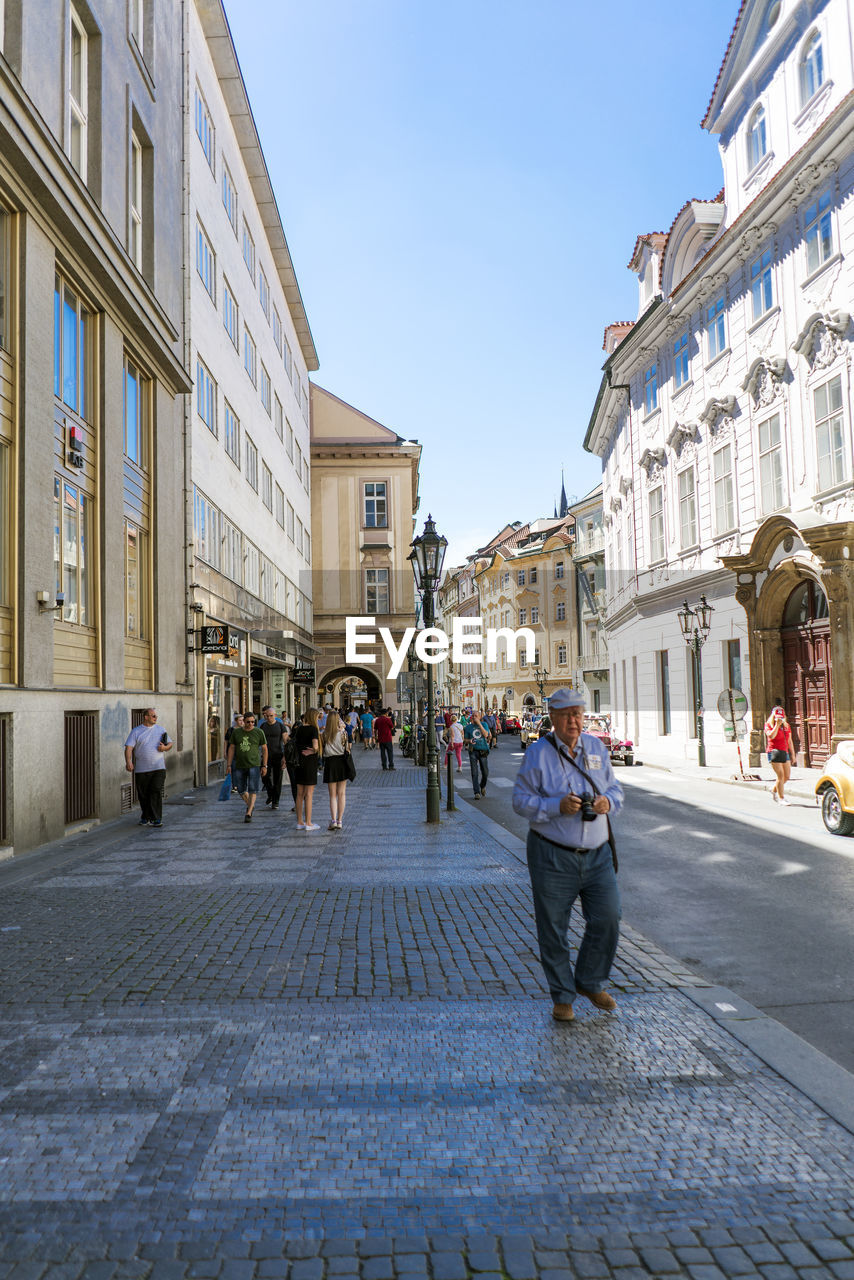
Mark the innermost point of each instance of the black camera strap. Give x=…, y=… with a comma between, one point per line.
x=550, y=738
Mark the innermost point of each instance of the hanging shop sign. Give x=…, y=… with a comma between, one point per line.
x=214, y=639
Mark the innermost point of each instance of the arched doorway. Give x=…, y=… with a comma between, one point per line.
x=350, y=681
x=805, y=634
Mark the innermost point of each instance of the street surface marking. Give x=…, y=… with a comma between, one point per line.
x=716, y=857
x=790, y=868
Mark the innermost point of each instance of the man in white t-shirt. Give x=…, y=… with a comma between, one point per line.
x=145, y=749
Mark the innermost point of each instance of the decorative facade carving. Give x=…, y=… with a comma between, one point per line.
x=839, y=507
x=652, y=463
x=626, y=485
x=717, y=408
x=764, y=381
x=808, y=179
x=822, y=339
x=753, y=238
x=681, y=435
x=712, y=283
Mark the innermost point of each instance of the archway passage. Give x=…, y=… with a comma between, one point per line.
x=349, y=682
x=805, y=634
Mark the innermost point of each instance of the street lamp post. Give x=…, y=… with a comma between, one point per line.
x=540, y=678
x=426, y=557
x=696, y=625
x=484, y=681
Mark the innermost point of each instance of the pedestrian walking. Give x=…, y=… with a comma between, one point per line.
x=145, y=751
x=778, y=740
x=275, y=736
x=384, y=734
x=476, y=738
x=368, y=729
x=309, y=753
x=247, y=761
x=566, y=788
x=455, y=742
x=335, y=749
x=236, y=723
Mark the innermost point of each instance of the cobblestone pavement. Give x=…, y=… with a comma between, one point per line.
x=245, y=1051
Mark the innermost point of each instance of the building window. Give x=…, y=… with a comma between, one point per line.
x=829, y=433
x=5, y=529
x=757, y=143
x=229, y=196
x=252, y=568
x=267, y=486
x=248, y=250
x=680, y=361
x=230, y=315
x=77, y=122
x=206, y=397
x=72, y=542
x=299, y=535
x=136, y=582
x=663, y=666
x=279, y=418
x=560, y=611
x=561, y=655
x=656, y=524
x=266, y=391
x=812, y=68
x=137, y=23
x=298, y=462
x=251, y=463
x=250, y=356
x=289, y=361
x=532, y=576
x=650, y=389
x=376, y=591
x=724, y=491
x=306, y=547
x=535, y=614
x=277, y=330
x=231, y=433
x=290, y=522
x=733, y=663
x=687, y=509
x=289, y=440
x=4, y=279
x=73, y=338
x=375, y=505
x=761, y=288
x=280, y=506
x=818, y=233
x=264, y=293
x=204, y=128
x=716, y=328
x=771, y=488
x=135, y=413
x=136, y=201
x=205, y=529
x=523, y=617
x=205, y=262
x=520, y=578
x=232, y=551
x=559, y=569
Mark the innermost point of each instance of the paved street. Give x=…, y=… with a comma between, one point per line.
x=749, y=895
x=244, y=1051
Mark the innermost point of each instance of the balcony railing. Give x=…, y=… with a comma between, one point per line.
x=589, y=544
x=595, y=660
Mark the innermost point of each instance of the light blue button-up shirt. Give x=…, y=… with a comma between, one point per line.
x=546, y=777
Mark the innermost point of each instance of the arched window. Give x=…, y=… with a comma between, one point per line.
x=812, y=67
x=757, y=138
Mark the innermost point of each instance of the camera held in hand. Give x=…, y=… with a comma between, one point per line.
x=588, y=813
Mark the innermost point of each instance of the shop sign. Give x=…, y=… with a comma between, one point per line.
x=303, y=673
x=215, y=639
x=233, y=657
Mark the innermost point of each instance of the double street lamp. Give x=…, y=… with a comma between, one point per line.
x=540, y=678
x=483, y=683
x=696, y=624
x=426, y=558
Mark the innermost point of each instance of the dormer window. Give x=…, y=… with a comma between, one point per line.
x=812, y=68
x=757, y=138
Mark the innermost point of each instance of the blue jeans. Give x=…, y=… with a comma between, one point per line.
x=558, y=877
x=247, y=781
x=479, y=762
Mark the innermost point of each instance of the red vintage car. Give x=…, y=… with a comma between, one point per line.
x=619, y=749
x=512, y=724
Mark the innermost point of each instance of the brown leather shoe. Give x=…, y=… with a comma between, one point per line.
x=601, y=999
x=563, y=1013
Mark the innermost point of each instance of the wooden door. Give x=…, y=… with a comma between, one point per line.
x=807, y=674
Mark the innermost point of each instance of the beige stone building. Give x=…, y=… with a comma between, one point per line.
x=364, y=501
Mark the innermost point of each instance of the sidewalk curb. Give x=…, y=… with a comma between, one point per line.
x=824, y=1082
x=819, y=1078
x=799, y=788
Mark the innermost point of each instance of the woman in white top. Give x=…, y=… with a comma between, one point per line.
x=455, y=742
x=335, y=768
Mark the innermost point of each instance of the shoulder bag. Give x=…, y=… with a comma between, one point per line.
x=550, y=738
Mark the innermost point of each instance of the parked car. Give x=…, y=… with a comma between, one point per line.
x=835, y=790
x=533, y=729
x=512, y=724
x=621, y=750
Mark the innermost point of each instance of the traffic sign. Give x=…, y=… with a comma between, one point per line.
x=732, y=705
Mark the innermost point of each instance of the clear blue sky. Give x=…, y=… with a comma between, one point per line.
x=461, y=183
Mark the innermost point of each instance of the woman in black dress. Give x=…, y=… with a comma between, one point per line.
x=309, y=749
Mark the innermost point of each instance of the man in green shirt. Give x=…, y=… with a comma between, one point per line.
x=247, y=761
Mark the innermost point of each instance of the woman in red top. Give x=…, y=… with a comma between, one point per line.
x=778, y=737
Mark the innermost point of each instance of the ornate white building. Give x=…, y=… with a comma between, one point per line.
x=723, y=419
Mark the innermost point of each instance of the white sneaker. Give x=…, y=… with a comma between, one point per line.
x=775, y=797
x=312, y=826
x=300, y=826
x=784, y=801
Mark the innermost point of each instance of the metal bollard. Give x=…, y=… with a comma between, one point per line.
x=450, y=805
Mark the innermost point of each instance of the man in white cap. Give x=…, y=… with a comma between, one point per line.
x=566, y=788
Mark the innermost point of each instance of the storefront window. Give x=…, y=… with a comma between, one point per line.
x=215, y=713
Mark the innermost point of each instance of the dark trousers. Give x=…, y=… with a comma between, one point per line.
x=292, y=778
x=273, y=777
x=149, y=790
x=478, y=763
x=387, y=755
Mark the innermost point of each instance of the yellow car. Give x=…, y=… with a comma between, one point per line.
x=835, y=790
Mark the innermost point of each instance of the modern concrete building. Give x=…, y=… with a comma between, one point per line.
x=93, y=458
x=365, y=487
x=249, y=351
x=723, y=420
